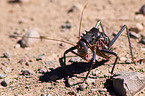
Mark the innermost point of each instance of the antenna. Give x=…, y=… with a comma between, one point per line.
x=82, y=18
x=44, y=37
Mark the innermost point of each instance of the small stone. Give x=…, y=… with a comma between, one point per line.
x=8, y=70
x=136, y=28
x=42, y=70
x=30, y=38
x=50, y=62
x=101, y=90
x=26, y=87
x=134, y=35
x=71, y=93
x=142, y=40
x=7, y=55
x=16, y=94
x=4, y=83
x=53, y=77
x=74, y=59
x=14, y=35
x=123, y=59
x=40, y=57
x=115, y=33
x=66, y=26
x=128, y=83
x=75, y=7
x=90, y=81
x=27, y=63
x=2, y=76
x=82, y=87
x=27, y=72
x=18, y=1
x=142, y=10
x=17, y=46
x=5, y=63
x=48, y=95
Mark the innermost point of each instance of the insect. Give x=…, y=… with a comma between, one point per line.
x=97, y=41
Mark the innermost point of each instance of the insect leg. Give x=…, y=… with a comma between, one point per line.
x=113, y=53
x=71, y=50
x=93, y=63
x=67, y=51
x=118, y=34
x=99, y=23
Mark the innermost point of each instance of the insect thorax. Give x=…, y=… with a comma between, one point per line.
x=96, y=38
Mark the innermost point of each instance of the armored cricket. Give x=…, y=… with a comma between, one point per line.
x=95, y=40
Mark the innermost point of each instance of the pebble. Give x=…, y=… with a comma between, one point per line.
x=17, y=46
x=27, y=72
x=14, y=35
x=7, y=55
x=50, y=62
x=75, y=7
x=66, y=26
x=27, y=42
x=5, y=63
x=142, y=40
x=123, y=59
x=2, y=76
x=18, y=1
x=8, y=70
x=115, y=33
x=90, y=81
x=71, y=93
x=40, y=57
x=42, y=70
x=4, y=83
x=27, y=63
x=134, y=35
x=142, y=10
x=95, y=73
x=82, y=87
x=102, y=90
x=136, y=28
x=74, y=59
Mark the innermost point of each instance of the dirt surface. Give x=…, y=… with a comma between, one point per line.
x=48, y=16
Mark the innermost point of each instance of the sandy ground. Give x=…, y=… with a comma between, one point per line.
x=48, y=16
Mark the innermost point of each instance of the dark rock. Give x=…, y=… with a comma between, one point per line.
x=27, y=63
x=142, y=10
x=4, y=83
x=128, y=83
x=142, y=40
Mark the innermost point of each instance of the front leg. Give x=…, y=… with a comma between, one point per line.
x=93, y=63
